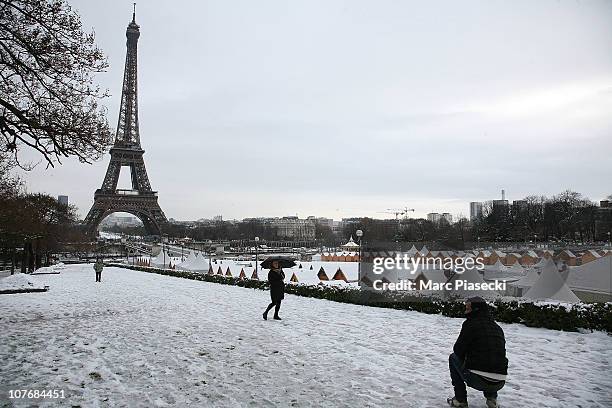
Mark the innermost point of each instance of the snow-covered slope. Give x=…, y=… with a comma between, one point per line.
x=144, y=340
x=21, y=281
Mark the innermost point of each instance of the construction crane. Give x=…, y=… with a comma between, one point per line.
x=398, y=211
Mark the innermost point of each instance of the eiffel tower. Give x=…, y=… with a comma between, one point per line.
x=141, y=200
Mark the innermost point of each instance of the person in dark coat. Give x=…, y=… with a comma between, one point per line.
x=98, y=266
x=479, y=355
x=276, y=277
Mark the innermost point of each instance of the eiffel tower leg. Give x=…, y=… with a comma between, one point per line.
x=112, y=175
x=150, y=226
x=139, y=176
x=93, y=219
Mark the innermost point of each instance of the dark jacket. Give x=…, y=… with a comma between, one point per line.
x=481, y=343
x=277, y=284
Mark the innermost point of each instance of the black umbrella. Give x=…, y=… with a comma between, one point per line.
x=283, y=262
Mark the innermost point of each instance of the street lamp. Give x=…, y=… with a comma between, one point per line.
x=164, y=250
x=359, y=234
x=256, y=254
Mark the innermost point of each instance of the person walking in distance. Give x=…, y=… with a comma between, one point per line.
x=98, y=266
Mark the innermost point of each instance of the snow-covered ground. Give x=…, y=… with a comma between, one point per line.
x=139, y=339
x=20, y=281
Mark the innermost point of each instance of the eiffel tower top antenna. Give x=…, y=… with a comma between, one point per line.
x=128, y=134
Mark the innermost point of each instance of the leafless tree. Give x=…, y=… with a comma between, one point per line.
x=48, y=100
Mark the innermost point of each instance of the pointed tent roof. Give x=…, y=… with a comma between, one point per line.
x=189, y=260
x=159, y=258
x=542, y=262
x=550, y=286
x=412, y=251
x=504, y=273
x=567, y=252
x=534, y=273
x=593, y=253
x=516, y=269
x=339, y=275
x=470, y=276
x=322, y=275
x=424, y=251
x=350, y=244
x=199, y=264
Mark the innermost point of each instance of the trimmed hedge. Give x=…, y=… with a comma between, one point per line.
x=593, y=316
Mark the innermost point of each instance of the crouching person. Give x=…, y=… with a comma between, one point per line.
x=479, y=356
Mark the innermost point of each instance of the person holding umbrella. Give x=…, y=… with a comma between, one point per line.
x=276, y=278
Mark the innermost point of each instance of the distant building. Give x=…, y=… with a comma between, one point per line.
x=500, y=203
x=519, y=205
x=434, y=217
x=448, y=217
x=294, y=228
x=603, y=220
x=475, y=210
x=217, y=218
x=63, y=200
x=114, y=220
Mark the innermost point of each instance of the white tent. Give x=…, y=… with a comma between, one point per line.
x=470, y=276
x=550, y=286
x=527, y=281
x=499, y=271
x=497, y=266
x=429, y=274
x=424, y=251
x=541, y=262
x=412, y=251
x=515, y=269
x=595, y=276
x=189, y=260
x=199, y=263
x=159, y=259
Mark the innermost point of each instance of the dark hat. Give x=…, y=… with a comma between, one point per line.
x=479, y=305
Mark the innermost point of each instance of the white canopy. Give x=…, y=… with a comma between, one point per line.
x=550, y=286
x=412, y=251
x=470, y=276
x=595, y=276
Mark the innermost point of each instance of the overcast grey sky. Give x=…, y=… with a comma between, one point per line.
x=346, y=108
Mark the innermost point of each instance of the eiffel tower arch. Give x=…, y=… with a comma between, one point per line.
x=141, y=200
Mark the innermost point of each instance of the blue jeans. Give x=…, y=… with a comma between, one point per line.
x=461, y=377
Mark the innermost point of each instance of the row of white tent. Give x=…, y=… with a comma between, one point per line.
x=543, y=281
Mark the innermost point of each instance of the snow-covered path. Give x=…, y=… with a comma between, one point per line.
x=140, y=339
